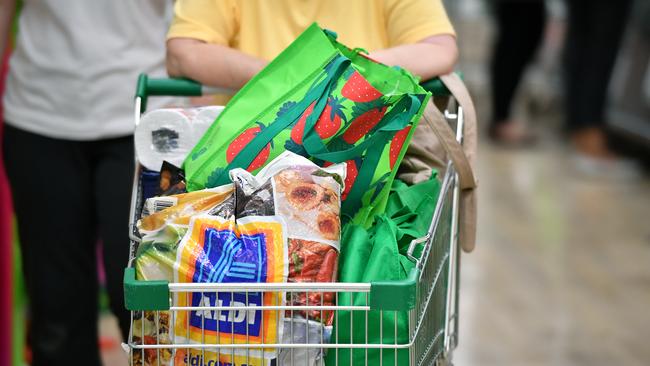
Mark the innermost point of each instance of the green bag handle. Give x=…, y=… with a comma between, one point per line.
x=321, y=91
x=403, y=112
x=396, y=119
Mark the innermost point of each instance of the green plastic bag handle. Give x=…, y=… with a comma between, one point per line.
x=436, y=87
x=404, y=112
x=396, y=119
x=320, y=91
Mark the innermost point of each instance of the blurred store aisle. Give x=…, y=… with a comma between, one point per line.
x=561, y=273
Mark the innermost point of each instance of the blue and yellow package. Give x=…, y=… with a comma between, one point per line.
x=251, y=249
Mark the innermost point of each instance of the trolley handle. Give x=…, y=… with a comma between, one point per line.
x=189, y=88
x=179, y=87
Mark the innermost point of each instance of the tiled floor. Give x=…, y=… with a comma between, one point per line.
x=561, y=273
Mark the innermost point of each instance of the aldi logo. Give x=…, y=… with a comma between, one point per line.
x=238, y=321
x=230, y=259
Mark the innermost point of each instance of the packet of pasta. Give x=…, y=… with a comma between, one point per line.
x=178, y=209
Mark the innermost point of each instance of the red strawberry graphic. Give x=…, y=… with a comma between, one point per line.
x=362, y=124
x=396, y=145
x=298, y=130
x=352, y=171
x=242, y=140
x=358, y=89
x=327, y=124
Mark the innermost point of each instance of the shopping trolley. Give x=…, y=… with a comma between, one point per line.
x=429, y=295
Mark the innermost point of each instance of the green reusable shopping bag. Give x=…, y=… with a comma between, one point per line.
x=379, y=254
x=324, y=101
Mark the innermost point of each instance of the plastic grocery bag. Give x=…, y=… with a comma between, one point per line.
x=378, y=254
x=218, y=250
x=304, y=331
x=156, y=254
x=154, y=260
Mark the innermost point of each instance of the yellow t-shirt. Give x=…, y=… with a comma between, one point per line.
x=263, y=28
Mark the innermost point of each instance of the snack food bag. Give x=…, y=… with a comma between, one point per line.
x=151, y=327
x=171, y=180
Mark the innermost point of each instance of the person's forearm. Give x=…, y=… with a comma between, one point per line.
x=423, y=59
x=211, y=64
x=7, y=10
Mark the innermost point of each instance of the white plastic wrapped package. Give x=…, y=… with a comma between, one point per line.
x=297, y=330
x=171, y=133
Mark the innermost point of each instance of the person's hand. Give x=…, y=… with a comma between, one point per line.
x=211, y=64
x=428, y=58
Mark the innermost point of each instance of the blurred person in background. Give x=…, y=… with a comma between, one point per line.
x=520, y=28
x=226, y=42
x=68, y=152
x=594, y=36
